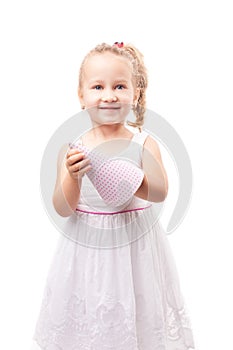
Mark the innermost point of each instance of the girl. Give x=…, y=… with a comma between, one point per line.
x=113, y=283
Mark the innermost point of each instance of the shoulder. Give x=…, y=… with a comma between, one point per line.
x=150, y=142
x=152, y=146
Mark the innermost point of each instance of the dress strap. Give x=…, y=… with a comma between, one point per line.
x=140, y=137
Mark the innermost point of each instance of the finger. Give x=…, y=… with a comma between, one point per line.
x=75, y=158
x=79, y=165
x=72, y=151
x=82, y=171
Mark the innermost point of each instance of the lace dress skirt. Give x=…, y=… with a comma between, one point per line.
x=123, y=298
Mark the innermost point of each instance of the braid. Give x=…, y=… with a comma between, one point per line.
x=141, y=79
x=138, y=70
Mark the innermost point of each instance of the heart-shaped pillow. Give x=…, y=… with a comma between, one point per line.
x=116, y=179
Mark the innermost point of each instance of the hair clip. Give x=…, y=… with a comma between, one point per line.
x=119, y=44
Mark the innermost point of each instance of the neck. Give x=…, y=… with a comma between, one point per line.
x=106, y=131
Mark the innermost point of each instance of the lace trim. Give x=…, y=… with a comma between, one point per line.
x=179, y=326
x=78, y=330
x=111, y=328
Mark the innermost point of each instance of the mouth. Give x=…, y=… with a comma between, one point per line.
x=109, y=107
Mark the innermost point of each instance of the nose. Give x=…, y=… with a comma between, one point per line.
x=108, y=97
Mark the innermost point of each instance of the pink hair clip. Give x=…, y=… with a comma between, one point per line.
x=119, y=44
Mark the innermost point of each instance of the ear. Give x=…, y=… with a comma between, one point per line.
x=80, y=96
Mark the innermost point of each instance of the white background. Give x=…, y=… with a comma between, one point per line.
x=187, y=48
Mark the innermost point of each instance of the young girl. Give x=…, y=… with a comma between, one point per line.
x=113, y=283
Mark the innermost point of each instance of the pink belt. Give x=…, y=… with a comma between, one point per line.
x=112, y=213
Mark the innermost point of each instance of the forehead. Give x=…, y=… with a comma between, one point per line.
x=107, y=64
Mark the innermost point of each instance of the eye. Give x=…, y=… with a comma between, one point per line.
x=120, y=87
x=97, y=87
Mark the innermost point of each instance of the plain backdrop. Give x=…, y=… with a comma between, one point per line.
x=187, y=47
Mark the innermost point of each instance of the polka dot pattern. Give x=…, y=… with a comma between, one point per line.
x=116, y=179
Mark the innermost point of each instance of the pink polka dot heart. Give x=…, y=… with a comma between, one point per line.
x=115, y=179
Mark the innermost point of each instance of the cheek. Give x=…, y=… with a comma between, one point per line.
x=128, y=97
x=126, y=94
x=91, y=95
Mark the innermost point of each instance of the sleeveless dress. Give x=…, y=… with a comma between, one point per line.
x=113, y=283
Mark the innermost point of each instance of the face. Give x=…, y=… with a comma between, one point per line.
x=108, y=90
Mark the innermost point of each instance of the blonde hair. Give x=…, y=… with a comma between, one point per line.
x=139, y=73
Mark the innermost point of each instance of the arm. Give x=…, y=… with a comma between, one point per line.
x=154, y=187
x=69, y=180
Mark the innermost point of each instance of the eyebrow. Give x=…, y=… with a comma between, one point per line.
x=122, y=80
x=95, y=81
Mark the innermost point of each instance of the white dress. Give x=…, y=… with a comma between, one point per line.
x=110, y=294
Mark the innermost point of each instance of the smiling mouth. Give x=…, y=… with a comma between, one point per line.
x=109, y=108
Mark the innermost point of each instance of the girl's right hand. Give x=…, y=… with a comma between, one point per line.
x=76, y=163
